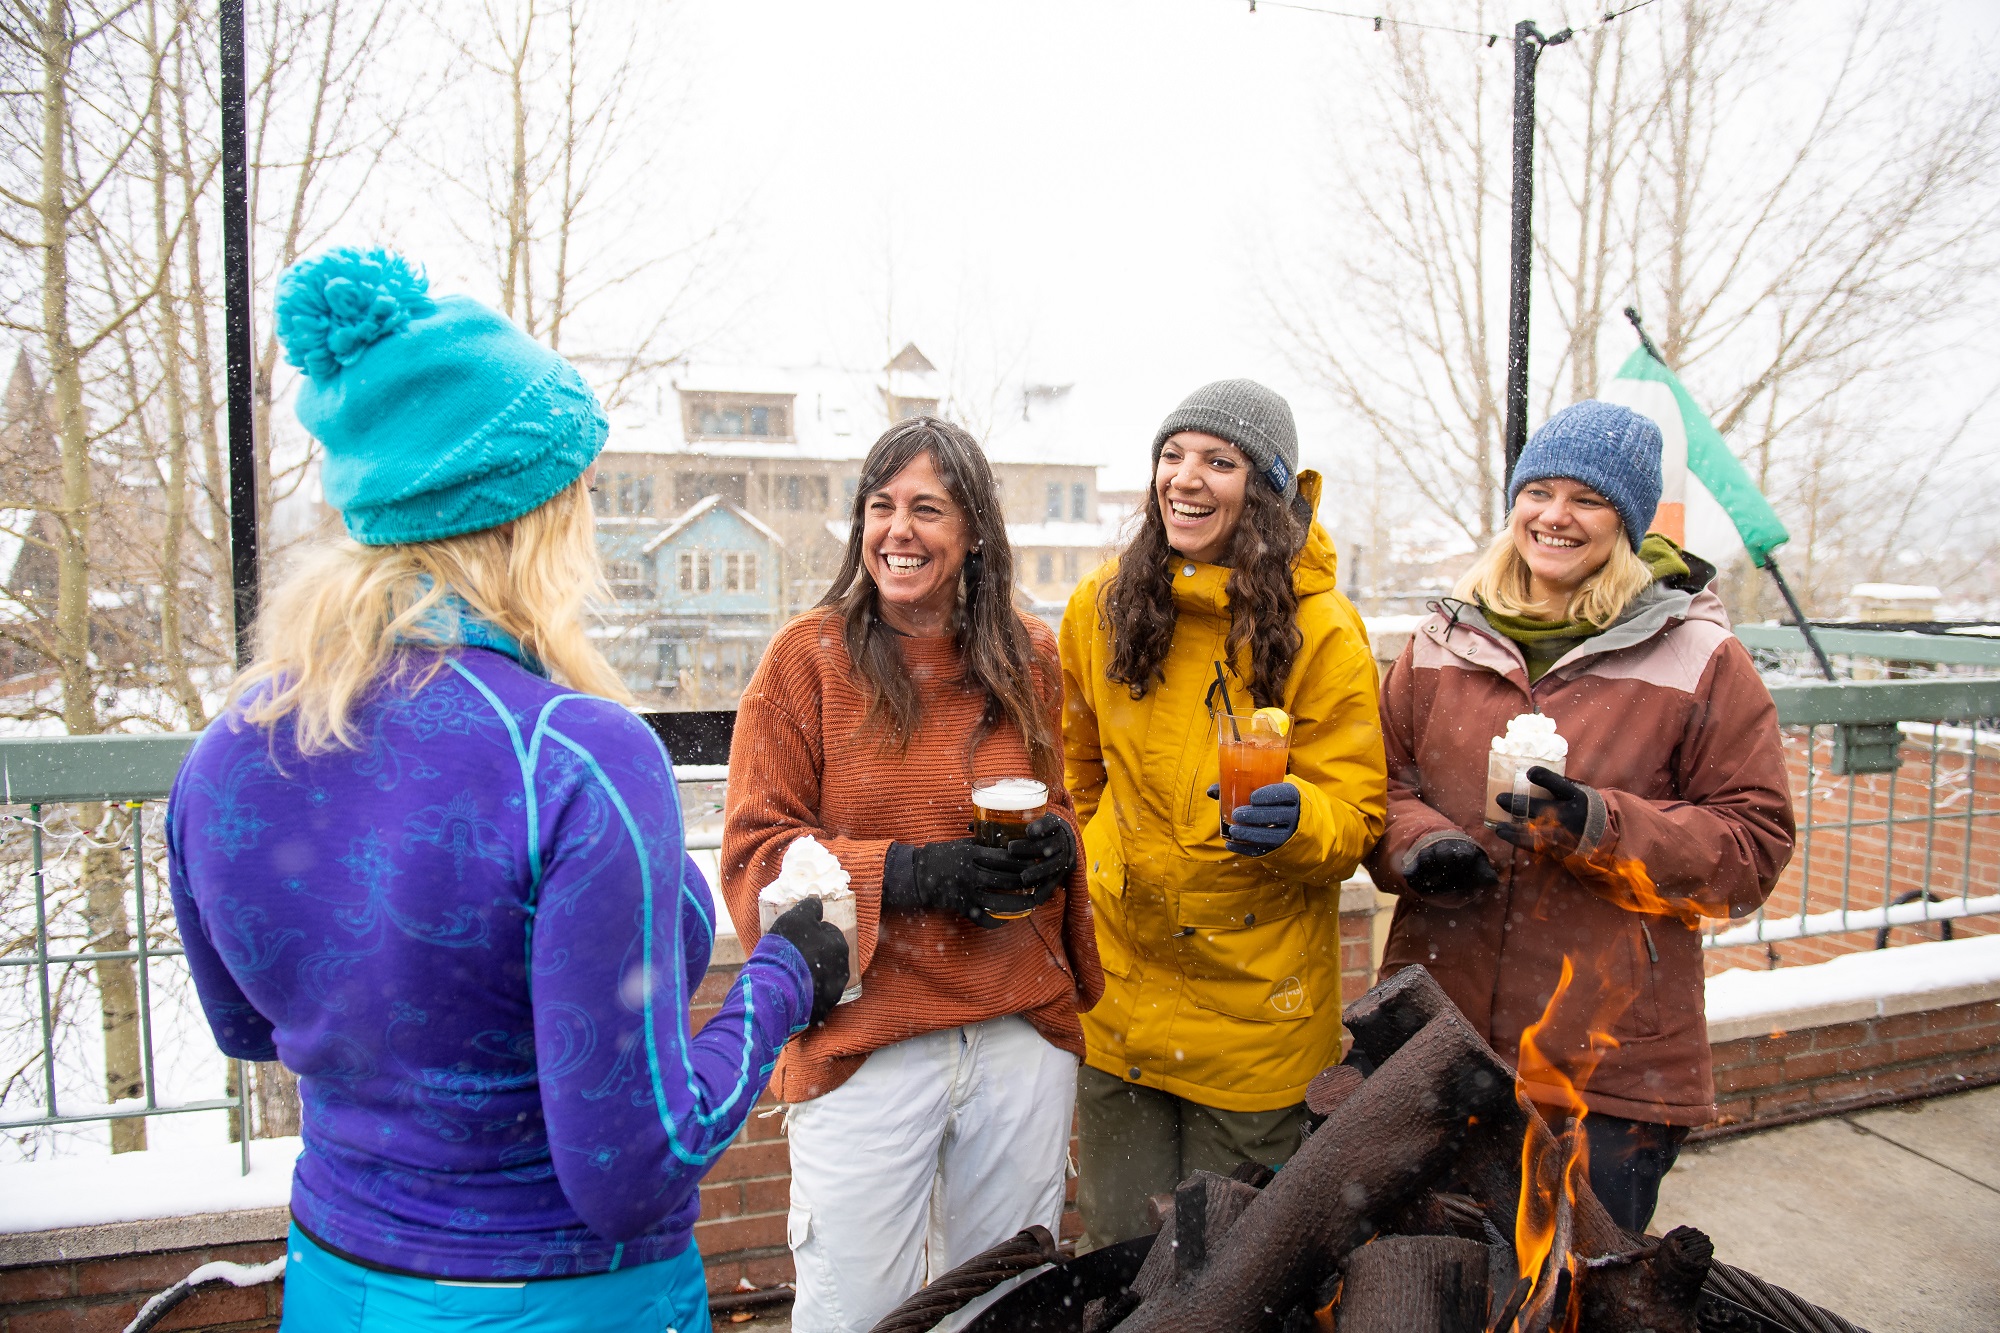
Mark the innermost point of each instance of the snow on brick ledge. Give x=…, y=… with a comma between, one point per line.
x=1853, y=987
x=143, y=1186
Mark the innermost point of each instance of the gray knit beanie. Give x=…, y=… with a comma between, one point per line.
x=1249, y=416
x=1609, y=448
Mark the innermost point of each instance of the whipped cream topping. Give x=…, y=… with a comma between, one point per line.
x=1532, y=736
x=808, y=871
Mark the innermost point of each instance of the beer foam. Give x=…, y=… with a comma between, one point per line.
x=808, y=871
x=1011, y=794
x=1532, y=736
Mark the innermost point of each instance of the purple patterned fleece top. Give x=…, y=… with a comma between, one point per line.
x=475, y=939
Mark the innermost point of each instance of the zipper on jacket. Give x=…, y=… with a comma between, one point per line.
x=1651, y=953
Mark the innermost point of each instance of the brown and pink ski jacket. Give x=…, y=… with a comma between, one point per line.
x=1669, y=723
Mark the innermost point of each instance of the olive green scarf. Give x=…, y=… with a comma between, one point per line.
x=1545, y=642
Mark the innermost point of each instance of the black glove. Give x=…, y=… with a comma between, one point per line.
x=1451, y=865
x=1048, y=854
x=971, y=879
x=824, y=948
x=1269, y=821
x=1555, y=822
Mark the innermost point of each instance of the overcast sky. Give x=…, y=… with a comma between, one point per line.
x=1091, y=182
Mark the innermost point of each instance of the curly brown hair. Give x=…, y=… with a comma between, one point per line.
x=1138, y=601
x=1000, y=658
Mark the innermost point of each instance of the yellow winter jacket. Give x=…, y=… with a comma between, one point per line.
x=1222, y=972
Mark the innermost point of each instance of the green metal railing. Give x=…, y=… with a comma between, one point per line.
x=124, y=771
x=1866, y=744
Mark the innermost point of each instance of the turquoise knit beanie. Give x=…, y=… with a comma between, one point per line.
x=437, y=415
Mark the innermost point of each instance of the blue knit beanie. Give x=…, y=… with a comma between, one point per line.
x=437, y=415
x=1611, y=449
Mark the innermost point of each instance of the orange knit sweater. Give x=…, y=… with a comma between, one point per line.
x=799, y=765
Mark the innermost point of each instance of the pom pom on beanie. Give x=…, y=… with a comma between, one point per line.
x=437, y=416
x=335, y=306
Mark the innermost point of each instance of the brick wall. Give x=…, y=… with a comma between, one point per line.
x=1877, y=862
x=104, y=1295
x=1784, y=1076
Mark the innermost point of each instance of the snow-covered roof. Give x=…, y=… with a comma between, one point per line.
x=1091, y=536
x=702, y=506
x=839, y=411
x=1897, y=592
x=1080, y=536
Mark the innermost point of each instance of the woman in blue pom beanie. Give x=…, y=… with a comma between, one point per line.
x=426, y=859
x=1669, y=805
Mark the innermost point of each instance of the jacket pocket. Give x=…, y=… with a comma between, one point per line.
x=1106, y=876
x=1246, y=953
x=1643, y=948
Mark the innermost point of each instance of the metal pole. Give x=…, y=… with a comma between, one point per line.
x=236, y=329
x=1528, y=44
x=1799, y=618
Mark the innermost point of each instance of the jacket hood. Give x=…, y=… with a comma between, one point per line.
x=1317, y=568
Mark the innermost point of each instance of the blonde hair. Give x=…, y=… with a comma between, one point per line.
x=327, y=636
x=1498, y=581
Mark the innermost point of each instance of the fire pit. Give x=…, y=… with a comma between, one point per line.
x=1431, y=1198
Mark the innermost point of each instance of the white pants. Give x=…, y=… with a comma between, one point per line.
x=939, y=1147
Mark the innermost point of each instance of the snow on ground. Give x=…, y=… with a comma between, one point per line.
x=1856, y=985
x=140, y=1186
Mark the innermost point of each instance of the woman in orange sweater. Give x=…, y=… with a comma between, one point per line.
x=930, y=1118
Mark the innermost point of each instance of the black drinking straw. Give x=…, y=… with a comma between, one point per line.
x=1228, y=708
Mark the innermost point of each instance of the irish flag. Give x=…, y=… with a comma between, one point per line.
x=1707, y=501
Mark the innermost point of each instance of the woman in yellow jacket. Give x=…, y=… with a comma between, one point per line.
x=1219, y=931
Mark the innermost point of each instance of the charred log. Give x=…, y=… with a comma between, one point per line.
x=1414, y=1284
x=1383, y=1145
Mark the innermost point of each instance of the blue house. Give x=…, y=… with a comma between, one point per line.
x=698, y=598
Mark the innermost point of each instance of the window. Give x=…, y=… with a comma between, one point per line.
x=800, y=493
x=850, y=489
x=600, y=497
x=1054, y=509
x=1045, y=567
x=739, y=571
x=694, y=571
x=1079, y=496
x=713, y=416
x=634, y=492
x=1069, y=565
x=692, y=486
x=627, y=578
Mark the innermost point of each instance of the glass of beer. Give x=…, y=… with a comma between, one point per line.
x=1002, y=809
x=1254, y=754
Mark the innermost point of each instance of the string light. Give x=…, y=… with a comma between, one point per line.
x=1382, y=21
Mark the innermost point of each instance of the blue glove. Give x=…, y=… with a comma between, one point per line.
x=1269, y=821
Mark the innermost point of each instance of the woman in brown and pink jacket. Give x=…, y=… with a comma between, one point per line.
x=1674, y=807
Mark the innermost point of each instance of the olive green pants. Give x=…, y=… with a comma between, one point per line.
x=1134, y=1142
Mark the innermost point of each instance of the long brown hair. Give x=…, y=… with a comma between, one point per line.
x=1138, y=601
x=1000, y=659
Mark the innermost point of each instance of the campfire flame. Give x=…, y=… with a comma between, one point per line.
x=1626, y=882
x=1553, y=1167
